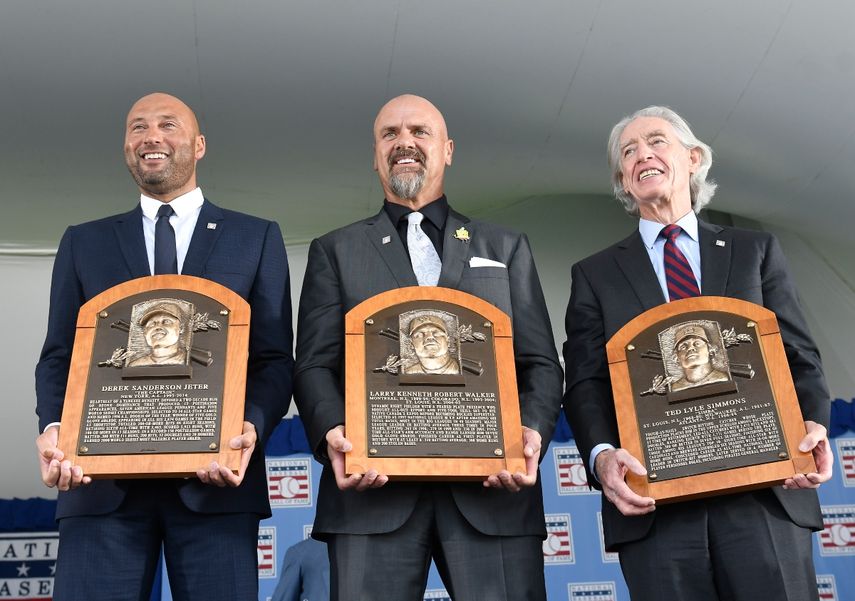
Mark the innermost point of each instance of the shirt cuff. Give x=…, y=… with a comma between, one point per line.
x=50, y=425
x=603, y=446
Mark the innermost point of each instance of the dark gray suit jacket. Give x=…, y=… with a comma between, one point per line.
x=351, y=264
x=617, y=284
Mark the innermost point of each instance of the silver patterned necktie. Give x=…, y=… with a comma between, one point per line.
x=426, y=262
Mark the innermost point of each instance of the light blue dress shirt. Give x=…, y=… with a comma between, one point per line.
x=689, y=245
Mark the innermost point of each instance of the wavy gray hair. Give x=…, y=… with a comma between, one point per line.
x=701, y=189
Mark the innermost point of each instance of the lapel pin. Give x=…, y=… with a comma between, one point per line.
x=212, y=226
x=386, y=239
x=462, y=234
x=719, y=243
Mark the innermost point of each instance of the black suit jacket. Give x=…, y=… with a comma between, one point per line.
x=351, y=264
x=617, y=284
x=243, y=253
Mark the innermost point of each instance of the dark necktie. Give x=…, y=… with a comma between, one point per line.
x=165, y=256
x=678, y=273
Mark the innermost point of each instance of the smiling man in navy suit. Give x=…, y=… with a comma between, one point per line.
x=111, y=531
x=743, y=546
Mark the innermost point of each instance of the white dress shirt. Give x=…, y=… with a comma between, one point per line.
x=183, y=220
x=187, y=208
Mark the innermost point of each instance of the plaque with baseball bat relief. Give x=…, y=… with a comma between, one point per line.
x=431, y=387
x=705, y=400
x=157, y=379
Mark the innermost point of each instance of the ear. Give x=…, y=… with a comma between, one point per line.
x=200, y=146
x=694, y=159
x=449, y=150
x=374, y=161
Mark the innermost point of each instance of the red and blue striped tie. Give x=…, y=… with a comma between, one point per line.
x=678, y=273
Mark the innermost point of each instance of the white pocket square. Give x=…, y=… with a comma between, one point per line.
x=482, y=262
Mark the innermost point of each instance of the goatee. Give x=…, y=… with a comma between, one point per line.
x=407, y=185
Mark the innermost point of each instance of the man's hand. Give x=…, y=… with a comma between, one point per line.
x=220, y=475
x=612, y=466
x=816, y=441
x=55, y=471
x=514, y=482
x=337, y=446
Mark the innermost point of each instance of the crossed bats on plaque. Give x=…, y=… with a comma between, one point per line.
x=430, y=342
x=156, y=322
x=693, y=354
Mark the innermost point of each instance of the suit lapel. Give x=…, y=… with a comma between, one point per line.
x=392, y=251
x=454, y=251
x=203, y=239
x=715, y=243
x=634, y=262
x=129, y=232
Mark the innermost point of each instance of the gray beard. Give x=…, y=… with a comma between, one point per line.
x=407, y=185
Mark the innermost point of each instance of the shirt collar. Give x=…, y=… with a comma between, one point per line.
x=649, y=230
x=182, y=205
x=436, y=211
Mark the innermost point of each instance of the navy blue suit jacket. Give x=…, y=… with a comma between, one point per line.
x=614, y=286
x=243, y=253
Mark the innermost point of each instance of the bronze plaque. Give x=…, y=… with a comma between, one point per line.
x=159, y=385
x=432, y=390
x=431, y=386
x=158, y=373
x=693, y=378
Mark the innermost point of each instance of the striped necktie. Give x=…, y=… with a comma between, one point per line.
x=678, y=273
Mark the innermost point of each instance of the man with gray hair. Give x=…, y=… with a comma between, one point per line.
x=740, y=546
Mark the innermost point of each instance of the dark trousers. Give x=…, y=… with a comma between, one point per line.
x=740, y=547
x=114, y=557
x=474, y=566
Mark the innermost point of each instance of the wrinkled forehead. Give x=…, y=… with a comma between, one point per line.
x=155, y=106
x=409, y=110
x=645, y=127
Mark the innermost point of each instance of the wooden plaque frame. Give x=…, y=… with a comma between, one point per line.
x=160, y=464
x=430, y=468
x=762, y=475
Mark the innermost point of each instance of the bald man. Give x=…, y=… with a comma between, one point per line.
x=485, y=537
x=112, y=531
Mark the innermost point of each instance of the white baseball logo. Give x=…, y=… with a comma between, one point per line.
x=841, y=535
x=577, y=474
x=552, y=544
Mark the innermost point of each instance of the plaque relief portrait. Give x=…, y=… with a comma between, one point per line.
x=160, y=339
x=694, y=355
x=165, y=334
x=694, y=359
x=429, y=343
